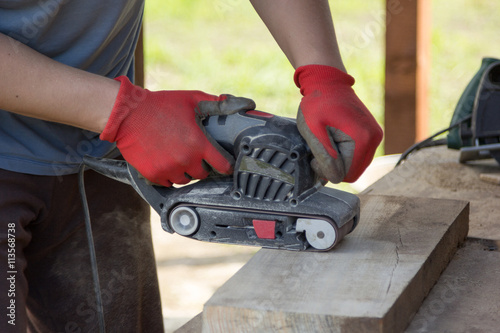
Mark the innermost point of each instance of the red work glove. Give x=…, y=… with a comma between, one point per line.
x=339, y=129
x=160, y=133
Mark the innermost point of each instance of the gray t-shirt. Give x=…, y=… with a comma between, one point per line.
x=98, y=36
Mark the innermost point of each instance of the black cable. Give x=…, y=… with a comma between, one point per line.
x=429, y=142
x=93, y=258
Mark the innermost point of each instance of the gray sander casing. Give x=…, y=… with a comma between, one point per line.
x=273, y=183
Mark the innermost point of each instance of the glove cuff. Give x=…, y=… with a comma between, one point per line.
x=128, y=98
x=312, y=77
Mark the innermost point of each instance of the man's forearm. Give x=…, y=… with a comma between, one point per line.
x=34, y=85
x=303, y=29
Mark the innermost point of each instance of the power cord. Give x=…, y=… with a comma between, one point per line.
x=93, y=258
x=429, y=142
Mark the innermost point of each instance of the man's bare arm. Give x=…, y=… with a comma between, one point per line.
x=303, y=29
x=34, y=85
x=339, y=129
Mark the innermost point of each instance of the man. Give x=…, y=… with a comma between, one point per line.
x=66, y=69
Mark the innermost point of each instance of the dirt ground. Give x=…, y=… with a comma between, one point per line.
x=190, y=271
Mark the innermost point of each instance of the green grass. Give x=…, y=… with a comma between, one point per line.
x=222, y=46
x=463, y=33
x=218, y=47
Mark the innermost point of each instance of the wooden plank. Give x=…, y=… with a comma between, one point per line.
x=436, y=173
x=192, y=326
x=492, y=178
x=374, y=281
x=465, y=299
x=407, y=52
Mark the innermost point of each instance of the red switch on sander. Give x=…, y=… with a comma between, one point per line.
x=264, y=228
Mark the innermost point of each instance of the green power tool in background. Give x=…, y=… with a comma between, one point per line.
x=475, y=125
x=477, y=115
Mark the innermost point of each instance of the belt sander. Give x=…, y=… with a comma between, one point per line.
x=273, y=199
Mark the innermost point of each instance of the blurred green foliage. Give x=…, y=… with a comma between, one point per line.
x=222, y=46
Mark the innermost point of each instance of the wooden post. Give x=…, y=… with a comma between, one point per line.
x=406, y=73
x=139, y=60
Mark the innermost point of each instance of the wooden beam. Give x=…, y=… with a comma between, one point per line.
x=195, y=325
x=406, y=73
x=465, y=299
x=436, y=173
x=373, y=281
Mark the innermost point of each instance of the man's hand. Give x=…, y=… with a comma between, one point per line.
x=341, y=132
x=160, y=133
